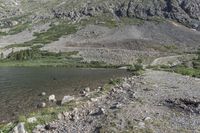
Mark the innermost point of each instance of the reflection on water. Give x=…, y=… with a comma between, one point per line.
x=20, y=87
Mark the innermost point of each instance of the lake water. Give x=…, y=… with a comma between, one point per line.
x=20, y=86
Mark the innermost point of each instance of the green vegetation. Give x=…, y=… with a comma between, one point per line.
x=35, y=57
x=165, y=48
x=192, y=70
x=46, y=115
x=52, y=34
x=7, y=128
x=3, y=33
x=18, y=28
x=157, y=19
x=43, y=116
x=115, y=81
x=136, y=69
x=106, y=20
x=130, y=21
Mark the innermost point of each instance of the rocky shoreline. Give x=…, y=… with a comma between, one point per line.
x=156, y=101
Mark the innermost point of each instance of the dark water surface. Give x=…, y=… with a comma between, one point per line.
x=20, y=86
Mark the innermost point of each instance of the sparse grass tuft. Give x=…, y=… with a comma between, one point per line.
x=136, y=69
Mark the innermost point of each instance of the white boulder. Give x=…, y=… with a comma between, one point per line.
x=31, y=120
x=52, y=98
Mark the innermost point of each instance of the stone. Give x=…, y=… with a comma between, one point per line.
x=116, y=106
x=99, y=87
x=43, y=94
x=94, y=99
x=41, y=105
x=50, y=127
x=31, y=120
x=52, y=98
x=102, y=111
x=39, y=129
x=83, y=93
x=19, y=128
x=67, y=99
x=141, y=124
x=60, y=116
x=87, y=89
x=147, y=119
x=66, y=114
x=126, y=85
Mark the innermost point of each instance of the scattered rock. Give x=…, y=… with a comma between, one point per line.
x=102, y=111
x=147, y=119
x=50, y=127
x=141, y=124
x=187, y=104
x=73, y=117
x=116, y=106
x=52, y=98
x=126, y=85
x=41, y=105
x=66, y=114
x=83, y=93
x=99, y=87
x=87, y=89
x=43, y=94
x=19, y=128
x=67, y=99
x=39, y=129
x=31, y=120
x=94, y=99
x=61, y=116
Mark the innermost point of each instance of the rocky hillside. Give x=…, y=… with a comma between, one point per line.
x=116, y=32
x=186, y=12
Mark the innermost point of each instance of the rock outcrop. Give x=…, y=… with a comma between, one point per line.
x=186, y=12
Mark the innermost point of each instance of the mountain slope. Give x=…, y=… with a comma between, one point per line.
x=110, y=31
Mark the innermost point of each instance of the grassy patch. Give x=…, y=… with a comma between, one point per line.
x=106, y=20
x=3, y=33
x=182, y=69
x=157, y=19
x=7, y=128
x=136, y=69
x=46, y=115
x=52, y=34
x=18, y=28
x=130, y=21
x=35, y=57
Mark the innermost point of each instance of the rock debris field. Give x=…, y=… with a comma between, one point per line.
x=156, y=101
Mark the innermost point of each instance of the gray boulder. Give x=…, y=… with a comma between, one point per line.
x=19, y=128
x=67, y=99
